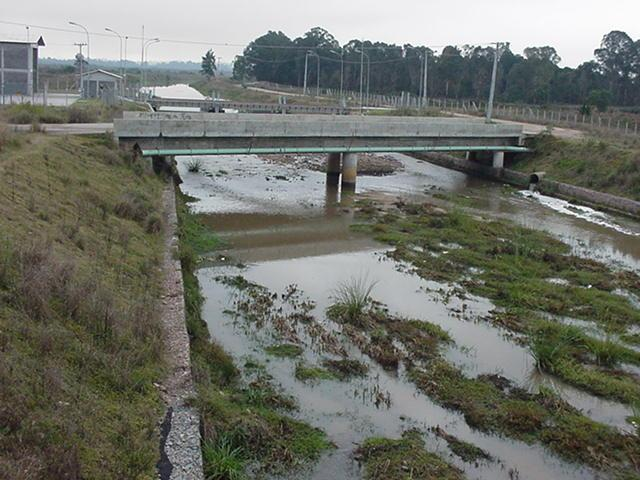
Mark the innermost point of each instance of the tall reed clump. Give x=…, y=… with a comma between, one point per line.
x=351, y=299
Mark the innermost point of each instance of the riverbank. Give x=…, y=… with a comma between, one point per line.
x=542, y=183
x=81, y=344
x=603, y=165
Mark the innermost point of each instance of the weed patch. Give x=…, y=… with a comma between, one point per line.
x=404, y=458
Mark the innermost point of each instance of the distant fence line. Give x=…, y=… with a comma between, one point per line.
x=564, y=117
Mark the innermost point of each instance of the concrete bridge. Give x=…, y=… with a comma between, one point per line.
x=341, y=137
x=219, y=106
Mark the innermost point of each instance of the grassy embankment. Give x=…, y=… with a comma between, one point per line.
x=513, y=266
x=84, y=111
x=244, y=418
x=606, y=165
x=80, y=341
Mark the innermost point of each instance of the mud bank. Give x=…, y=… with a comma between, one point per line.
x=368, y=164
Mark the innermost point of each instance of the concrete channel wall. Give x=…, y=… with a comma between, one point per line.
x=592, y=198
x=180, y=449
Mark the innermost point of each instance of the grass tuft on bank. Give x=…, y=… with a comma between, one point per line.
x=80, y=341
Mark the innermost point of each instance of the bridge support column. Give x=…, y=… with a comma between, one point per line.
x=498, y=160
x=333, y=168
x=349, y=171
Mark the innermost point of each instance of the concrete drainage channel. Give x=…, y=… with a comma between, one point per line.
x=180, y=451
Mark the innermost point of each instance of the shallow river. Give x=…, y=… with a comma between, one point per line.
x=285, y=226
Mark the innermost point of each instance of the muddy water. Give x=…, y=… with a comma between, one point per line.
x=287, y=227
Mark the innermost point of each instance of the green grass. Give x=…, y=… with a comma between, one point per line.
x=603, y=165
x=83, y=111
x=491, y=408
x=79, y=333
x=306, y=373
x=223, y=461
x=284, y=350
x=404, y=458
x=512, y=265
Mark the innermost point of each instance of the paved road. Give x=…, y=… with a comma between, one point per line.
x=531, y=129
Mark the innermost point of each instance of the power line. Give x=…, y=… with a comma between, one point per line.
x=225, y=44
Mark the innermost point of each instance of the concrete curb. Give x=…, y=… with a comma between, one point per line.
x=180, y=449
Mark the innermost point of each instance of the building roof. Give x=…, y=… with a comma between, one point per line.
x=104, y=72
x=37, y=43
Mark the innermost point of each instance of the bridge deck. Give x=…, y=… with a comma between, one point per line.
x=210, y=134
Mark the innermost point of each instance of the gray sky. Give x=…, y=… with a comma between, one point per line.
x=574, y=27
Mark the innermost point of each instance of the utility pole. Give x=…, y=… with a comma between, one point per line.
x=306, y=67
x=318, y=81
x=361, y=73
x=88, y=41
x=494, y=76
x=426, y=72
x=81, y=60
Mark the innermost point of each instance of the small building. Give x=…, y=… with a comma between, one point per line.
x=101, y=85
x=19, y=67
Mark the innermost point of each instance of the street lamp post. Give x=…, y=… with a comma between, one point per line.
x=121, y=67
x=124, y=69
x=145, y=62
x=87, y=32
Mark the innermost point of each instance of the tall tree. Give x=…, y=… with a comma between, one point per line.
x=209, y=66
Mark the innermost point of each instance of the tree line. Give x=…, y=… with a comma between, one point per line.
x=534, y=77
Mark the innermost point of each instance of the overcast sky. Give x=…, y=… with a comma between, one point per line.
x=574, y=27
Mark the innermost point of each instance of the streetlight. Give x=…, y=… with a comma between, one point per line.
x=341, y=68
x=147, y=44
x=120, y=38
x=87, y=32
x=362, y=55
x=306, y=68
x=126, y=39
x=121, y=67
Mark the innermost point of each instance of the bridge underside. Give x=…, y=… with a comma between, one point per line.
x=206, y=145
x=148, y=151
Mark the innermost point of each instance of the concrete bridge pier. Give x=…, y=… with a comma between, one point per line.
x=349, y=171
x=333, y=168
x=498, y=159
